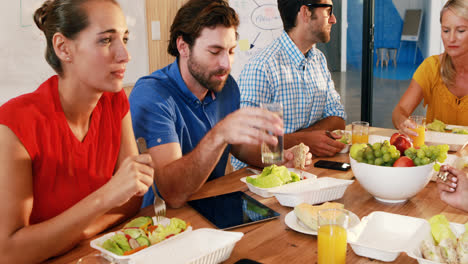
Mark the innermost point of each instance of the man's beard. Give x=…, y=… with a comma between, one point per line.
x=203, y=77
x=323, y=36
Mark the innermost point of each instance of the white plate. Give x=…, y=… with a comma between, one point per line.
x=96, y=243
x=317, y=191
x=455, y=141
x=265, y=192
x=376, y=138
x=295, y=224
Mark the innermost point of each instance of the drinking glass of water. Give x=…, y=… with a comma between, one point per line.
x=273, y=154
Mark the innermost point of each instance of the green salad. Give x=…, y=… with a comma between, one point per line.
x=273, y=176
x=141, y=233
x=440, y=126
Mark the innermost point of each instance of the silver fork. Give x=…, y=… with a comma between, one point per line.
x=159, y=204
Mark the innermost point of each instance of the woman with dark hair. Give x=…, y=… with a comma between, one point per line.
x=70, y=166
x=441, y=80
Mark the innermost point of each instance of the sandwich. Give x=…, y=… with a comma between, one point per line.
x=300, y=153
x=430, y=251
x=307, y=213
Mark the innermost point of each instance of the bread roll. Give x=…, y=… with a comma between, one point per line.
x=307, y=213
x=300, y=152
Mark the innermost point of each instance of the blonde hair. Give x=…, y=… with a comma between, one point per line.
x=447, y=69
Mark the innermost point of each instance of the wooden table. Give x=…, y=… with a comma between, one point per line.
x=273, y=241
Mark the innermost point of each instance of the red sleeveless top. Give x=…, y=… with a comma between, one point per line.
x=64, y=170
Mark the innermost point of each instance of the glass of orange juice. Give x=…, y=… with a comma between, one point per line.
x=420, y=122
x=360, y=132
x=331, y=235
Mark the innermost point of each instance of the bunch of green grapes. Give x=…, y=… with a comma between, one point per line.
x=428, y=154
x=382, y=154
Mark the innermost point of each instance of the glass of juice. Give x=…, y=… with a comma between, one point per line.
x=360, y=132
x=420, y=122
x=273, y=154
x=331, y=236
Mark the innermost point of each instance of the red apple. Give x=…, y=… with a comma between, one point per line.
x=394, y=137
x=403, y=162
x=402, y=143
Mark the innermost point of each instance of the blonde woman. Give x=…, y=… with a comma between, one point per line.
x=441, y=80
x=69, y=162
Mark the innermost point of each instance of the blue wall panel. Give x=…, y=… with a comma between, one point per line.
x=388, y=27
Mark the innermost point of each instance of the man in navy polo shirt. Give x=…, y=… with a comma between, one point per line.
x=188, y=112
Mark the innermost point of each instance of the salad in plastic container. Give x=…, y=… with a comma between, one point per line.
x=138, y=235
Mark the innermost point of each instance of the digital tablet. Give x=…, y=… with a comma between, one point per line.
x=232, y=210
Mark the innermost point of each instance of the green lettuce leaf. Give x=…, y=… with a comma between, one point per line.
x=265, y=182
x=282, y=173
x=111, y=246
x=295, y=177
x=440, y=229
x=173, y=228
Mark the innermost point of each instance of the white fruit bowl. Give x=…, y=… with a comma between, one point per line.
x=391, y=184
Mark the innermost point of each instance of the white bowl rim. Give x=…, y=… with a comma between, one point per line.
x=432, y=163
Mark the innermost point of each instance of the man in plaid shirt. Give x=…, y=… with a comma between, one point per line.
x=293, y=72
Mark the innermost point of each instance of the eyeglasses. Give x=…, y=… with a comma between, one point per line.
x=322, y=5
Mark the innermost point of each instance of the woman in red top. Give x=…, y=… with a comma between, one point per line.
x=68, y=158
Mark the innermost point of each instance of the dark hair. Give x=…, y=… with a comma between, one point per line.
x=65, y=16
x=288, y=10
x=194, y=16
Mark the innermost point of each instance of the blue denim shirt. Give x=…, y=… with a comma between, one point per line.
x=164, y=111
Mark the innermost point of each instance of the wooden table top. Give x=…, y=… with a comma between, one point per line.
x=273, y=241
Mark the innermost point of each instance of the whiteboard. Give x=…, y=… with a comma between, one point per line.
x=260, y=24
x=23, y=66
x=412, y=25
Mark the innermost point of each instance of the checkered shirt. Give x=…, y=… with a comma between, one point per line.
x=303, y=84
